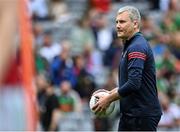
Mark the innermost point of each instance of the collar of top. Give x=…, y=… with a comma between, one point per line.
x=127, y=42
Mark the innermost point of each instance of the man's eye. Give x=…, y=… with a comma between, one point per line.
x=120, y=21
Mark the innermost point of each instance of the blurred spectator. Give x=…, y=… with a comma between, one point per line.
x=165, y=70
x=39, y=10
x=171, y=116
x=103, y=6
x=41, y=64
x=85, y=81
x=102, y=32
x=168, y=24
x=70, y=108
x=81, y=35
x=62, y=66
x=69, y=100
x=48, y=104
x=177, y=20
x=170, y=27
x=94, y=64
x=175, y=44
x=149, y=28
x=59, y=11
x=38, y=33
x=41, y=84
x=167, y=63
x=177, y=66
x=49, y=48
x=154, y=4
x=164, y=5
x=174, y=5
x=111, y=81
x=113, y=53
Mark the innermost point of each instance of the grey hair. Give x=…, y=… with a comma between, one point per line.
x=134, y=13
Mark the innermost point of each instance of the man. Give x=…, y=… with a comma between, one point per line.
x=140, y=108
x=8, y=18
x=16, y=111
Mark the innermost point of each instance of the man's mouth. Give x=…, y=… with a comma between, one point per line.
x=119, y=30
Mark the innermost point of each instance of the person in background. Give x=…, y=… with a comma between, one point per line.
x=48, y=104
x=49, y=48
x=61, y=67
x=69, y=100
x=85, y=81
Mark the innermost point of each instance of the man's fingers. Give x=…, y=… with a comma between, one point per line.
x=95, y=106
x=100, y=111
x=97, y=110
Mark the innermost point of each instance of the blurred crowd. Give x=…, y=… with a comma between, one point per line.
x=76, y=52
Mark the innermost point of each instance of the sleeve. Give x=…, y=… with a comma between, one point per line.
x=136, y=58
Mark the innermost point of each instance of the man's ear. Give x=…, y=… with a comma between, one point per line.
x=136, y=24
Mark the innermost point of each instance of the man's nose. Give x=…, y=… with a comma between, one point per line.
x=118, y=26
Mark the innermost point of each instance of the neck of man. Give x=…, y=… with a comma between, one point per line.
x=131, y=35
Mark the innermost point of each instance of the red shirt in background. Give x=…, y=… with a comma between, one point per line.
x=101, y=5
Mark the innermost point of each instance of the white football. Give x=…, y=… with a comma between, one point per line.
x=94, y=99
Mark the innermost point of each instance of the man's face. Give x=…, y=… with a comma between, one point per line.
x=124, y=25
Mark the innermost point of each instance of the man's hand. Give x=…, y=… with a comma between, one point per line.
x=104, y=102
x=101, y=105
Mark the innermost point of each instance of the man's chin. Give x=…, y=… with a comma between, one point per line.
x=120, y=36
